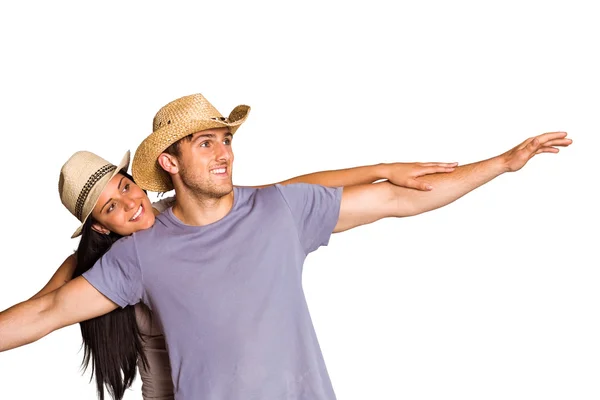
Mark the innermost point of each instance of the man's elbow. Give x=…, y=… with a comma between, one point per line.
x=26, y=322
x=46, y=315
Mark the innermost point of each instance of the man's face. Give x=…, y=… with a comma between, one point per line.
x=206, y=162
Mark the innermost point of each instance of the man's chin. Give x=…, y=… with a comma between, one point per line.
x=223, y=190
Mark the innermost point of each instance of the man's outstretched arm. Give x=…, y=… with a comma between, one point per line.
x=368, y=203
x=33, y=319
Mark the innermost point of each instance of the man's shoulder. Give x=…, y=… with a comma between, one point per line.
x=294, y=189
x=248, y=192
x=276, y=190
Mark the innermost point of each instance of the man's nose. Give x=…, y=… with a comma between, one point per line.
x=223, y=152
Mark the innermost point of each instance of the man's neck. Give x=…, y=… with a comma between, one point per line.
x=198, y=210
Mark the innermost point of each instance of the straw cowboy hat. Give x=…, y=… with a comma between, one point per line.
x=82, y=179
x=176, y=120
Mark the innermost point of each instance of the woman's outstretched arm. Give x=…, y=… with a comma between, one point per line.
x=63, y=274
x=403, y=174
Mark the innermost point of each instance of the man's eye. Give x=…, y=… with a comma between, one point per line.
x=204, y=144
x=227, y=141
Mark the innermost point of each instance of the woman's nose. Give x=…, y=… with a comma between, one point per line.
x=129, y=203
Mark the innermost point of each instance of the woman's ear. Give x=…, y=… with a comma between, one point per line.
x=100, y=228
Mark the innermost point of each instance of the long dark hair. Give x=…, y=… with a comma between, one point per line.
x=112, y=342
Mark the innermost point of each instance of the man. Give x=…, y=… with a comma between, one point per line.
x=222, y=268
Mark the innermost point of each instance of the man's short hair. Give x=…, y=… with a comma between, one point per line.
x=174, y=149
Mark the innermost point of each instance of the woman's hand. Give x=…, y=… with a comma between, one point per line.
x=405, y=174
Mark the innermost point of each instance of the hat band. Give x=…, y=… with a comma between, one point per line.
x=85, y=191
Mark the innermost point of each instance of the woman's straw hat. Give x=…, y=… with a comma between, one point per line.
x=82, y=179
x=176, y=120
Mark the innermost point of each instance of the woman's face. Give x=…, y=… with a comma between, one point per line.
x=122, y=208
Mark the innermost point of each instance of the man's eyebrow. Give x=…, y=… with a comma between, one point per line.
x=205, y=136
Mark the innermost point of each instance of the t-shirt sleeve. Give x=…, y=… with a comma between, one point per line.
x=117, y=275
x=315, y=209
x=162, y=204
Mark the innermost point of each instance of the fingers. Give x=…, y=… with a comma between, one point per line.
x=548, y=136
x=558, y=142
x=546, y=150
x=419, y=185
x=434, y=170
x=547, y=142
x=438, y=164
x=543, y=139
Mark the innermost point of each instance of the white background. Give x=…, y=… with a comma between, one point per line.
x=496, y=296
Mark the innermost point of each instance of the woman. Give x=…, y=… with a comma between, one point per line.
x=110, y=205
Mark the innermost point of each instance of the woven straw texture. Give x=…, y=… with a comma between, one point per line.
x=176, y=120
x=82, y=179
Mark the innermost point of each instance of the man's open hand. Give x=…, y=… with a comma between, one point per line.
x=516, y=158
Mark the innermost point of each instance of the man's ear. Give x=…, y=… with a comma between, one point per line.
x=168, y=162
x=100, y=228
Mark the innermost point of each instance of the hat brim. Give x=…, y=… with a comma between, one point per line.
x=123, y=165
x=146, y=171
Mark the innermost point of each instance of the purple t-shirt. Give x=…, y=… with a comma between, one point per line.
x=229, y=296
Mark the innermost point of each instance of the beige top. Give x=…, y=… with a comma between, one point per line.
x=156, y=376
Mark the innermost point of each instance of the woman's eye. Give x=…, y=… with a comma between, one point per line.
x=110, y=208
x=126, y=187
